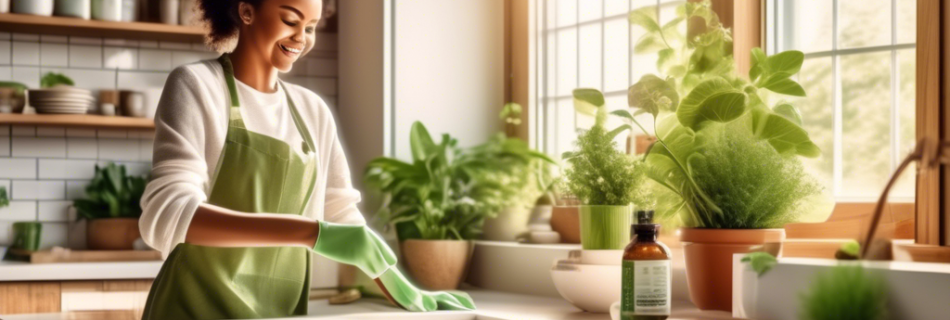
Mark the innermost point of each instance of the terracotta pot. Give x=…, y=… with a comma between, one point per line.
x=509, y=223
x=112, y=233
x=709, y=260
x=566, y=221
x=437, y=264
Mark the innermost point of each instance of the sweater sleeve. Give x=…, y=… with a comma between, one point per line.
x=341, y=199
x=179, y=175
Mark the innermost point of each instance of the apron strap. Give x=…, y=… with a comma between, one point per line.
x=309, y=145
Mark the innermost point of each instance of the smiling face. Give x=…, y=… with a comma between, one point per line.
x=281, y=30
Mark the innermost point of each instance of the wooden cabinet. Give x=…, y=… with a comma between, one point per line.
x=60, y=296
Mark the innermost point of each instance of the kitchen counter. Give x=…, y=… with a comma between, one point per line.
x=491, y=306
x=23, y=271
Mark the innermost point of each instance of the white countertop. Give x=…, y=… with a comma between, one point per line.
x=23, y=271
x=491, y=306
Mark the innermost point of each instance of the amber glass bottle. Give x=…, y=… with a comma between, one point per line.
x=646, y=273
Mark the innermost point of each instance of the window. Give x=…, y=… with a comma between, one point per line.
x=586, y=44
x=859, y=73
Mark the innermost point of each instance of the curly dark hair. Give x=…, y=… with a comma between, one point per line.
x=222, y=20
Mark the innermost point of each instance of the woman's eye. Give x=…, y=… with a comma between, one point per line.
x=292, y=24
x=310, y=29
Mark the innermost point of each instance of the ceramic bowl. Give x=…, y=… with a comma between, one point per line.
x=592, y=288
x=597, y=257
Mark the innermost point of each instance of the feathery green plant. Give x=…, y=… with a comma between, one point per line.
x=845, y=293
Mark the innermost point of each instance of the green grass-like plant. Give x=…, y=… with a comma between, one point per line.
x=845, y=293
x=4, y=201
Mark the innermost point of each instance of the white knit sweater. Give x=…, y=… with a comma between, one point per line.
x=190, y=128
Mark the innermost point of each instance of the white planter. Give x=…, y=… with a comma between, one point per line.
x=34, y=7
x=4, y=6
x=509, y=223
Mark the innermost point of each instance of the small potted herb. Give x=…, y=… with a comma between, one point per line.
x=726, y=161
x=437, y=204
x=603, y=178
x=112, y=208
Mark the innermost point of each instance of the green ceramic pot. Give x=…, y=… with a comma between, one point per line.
x=605, y=227
x=26, y=235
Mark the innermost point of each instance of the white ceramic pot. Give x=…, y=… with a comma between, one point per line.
x=168, y=11
x=4, y=6
x=509, y=223
x=73, y=8
x=130, y=10
x=188, y=15
x=34, y=7
x=107, y=10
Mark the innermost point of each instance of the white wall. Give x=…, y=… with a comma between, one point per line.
x=449, y=64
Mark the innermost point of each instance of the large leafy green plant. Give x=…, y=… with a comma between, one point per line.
x=112, y=194
x=447, y=192
x=599, y=174
x=724, y=158
x=510, y=169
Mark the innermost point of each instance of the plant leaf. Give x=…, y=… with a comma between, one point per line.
x=785, y=136
x=759, y=64
x=652, y=95
x=784, y=86
x=789, y=112
x=761, y=262
x=789, y=62
x=712, y=100
x=420, y=141
x=645, y=18
x=588, y=101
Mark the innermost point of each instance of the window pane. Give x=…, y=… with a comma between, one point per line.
x=616, y=7
x=864, y=23
x=906, y=21
x=566, y=61
x=550, y=127
x=566, y=126
x=590, y=10
x=590, y=56
x=908, y=112
x=817, y=110
x=550, y=65
x=866, y=96
x=807, y=25
x=566, y=12
x=616, y=53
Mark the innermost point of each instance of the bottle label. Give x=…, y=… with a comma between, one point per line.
x=646, y=288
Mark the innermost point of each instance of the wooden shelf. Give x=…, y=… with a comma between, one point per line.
x=76, y=120
x=65, y=26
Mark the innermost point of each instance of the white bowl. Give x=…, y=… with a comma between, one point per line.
x=597, y=257
x=592, y=288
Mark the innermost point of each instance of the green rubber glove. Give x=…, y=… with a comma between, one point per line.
x=413, y=299
x=355, y=245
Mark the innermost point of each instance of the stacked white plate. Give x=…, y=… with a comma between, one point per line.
x=61, y=99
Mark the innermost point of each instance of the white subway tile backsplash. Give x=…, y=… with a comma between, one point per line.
x=121, y=42
x=133, y=168
x=26, y=37
x=50, y=131
x=82, y=148
x=120, y=58
x=81, y=132
x=93, y=79
x=145, y=149
x=152, y=59
x=14, y=168
x=5, y=36
x=6, y=184
x=141, y=134
x=26, y=53
x=54, y=55
x=185, y=57
x=67, y=169
x=54, y=210
x=6, y=233
x=83, y=56
x=53, y=39
x=174, y=45
x=76, y=189
x=4, y=130
x=55, y=234
x=6, y=73
x=4, y=146
x=5, y=51
x=84, y=40
x=24, y=131
x=113, y=133
x=118, y=149
x=19, y=211
x=148, y=44
x=28, y=76
x=201, y=46
x=38, y=190
x=39, y=147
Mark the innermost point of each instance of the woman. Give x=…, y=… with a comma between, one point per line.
x=248, y=176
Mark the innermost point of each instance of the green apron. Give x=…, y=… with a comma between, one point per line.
x=255, y=173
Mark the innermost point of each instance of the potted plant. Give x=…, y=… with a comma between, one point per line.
x=515, y=172
x=111, y=208
x=437, y=204
x=603, y=178
x=726, y=161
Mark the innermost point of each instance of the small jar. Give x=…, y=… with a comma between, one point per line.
x=647, y=273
